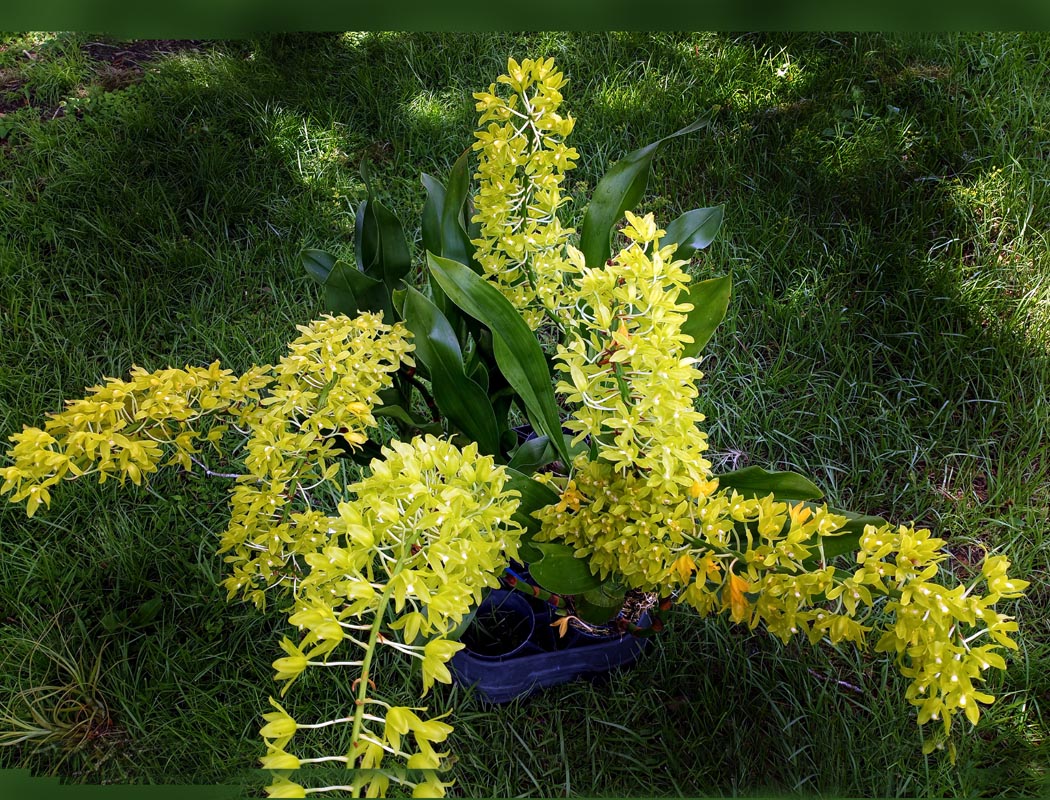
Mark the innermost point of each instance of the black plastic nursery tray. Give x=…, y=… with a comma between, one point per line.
x=541, y=658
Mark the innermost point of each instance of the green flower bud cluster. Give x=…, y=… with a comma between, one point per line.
x=522, y=158
x=624, y=362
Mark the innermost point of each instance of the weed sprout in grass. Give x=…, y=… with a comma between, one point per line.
x=513, y=313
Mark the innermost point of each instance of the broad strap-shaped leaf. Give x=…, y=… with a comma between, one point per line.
x=366, y=241
x=514, y=345
x=399, y=413
x=710, y=301
x=433, y=209
x=600, y=605
x=455, y=241
x=434, y=235
x=533, y=454
x=461, y=400
x=476, y=368
x=379, y=239
x=397, y=300
x=618, y=191
x=693, y=231
x=318, y=264
x=349, y=291
x=393, y=247
x=757, y=482
x=534, y=496
x=560, y=572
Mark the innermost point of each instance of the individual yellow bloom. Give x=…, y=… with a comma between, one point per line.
x=401, y=720
x=562, y=625
x=279, y=726
x=277, y=758
x=701, y=489
x=641, y=229
x=431, y=787
x=684, y=567
x=435, y=654
x=570, y=498
x=292, y=665
x=799, y=514
x=282, y=787
x=734, y=599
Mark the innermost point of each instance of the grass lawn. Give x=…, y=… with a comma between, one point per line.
x=887, y=216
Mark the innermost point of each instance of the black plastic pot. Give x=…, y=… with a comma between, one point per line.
x=544, y=659
x=501, y=628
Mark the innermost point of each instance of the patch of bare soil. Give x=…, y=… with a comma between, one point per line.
x=115, y=66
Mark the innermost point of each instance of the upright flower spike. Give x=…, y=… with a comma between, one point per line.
x=634, y=389
x=522, y=163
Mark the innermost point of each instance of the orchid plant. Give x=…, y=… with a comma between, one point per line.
x=422, y=386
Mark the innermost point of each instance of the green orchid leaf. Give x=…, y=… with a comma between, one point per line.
x=476, y=369
x=436, y=232
x=617, y=192
x=757, y=482
x=602, y=604
x=399, y=413
x=527, y=551
x=433, y=209
x=349, y=291
x=461, y=400
x=710, y=301
x=379, y=238
x=514, y=345
x=397, y=300
x=534, y=496
x=560, y=572
x=693, y=231
x=455, y=241
x=389, y=397
x=367, y=251
x=339, y=293
x=533, y=454
x=394, y=257
x=318, y=264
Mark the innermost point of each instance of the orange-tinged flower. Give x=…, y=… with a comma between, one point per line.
x=684, y=566
x=570, y=498
x=710, y=567
x=799, y=514
x=703, y=488
x=734, y=599
x=562, y=624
